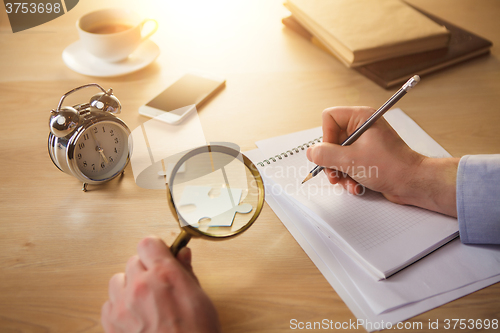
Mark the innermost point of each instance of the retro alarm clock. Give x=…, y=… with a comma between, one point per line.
x=87, y=140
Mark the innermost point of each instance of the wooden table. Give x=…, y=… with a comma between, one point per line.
x=59, y=246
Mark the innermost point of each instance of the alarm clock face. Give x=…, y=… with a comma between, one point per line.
x=101, y=151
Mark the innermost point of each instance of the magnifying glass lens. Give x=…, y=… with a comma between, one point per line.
x=215, y=192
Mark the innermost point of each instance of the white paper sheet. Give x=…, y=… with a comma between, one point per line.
x=340, y=273
x=453, y=266
x=338, y=277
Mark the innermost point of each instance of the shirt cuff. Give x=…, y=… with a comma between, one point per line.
x=478, y=199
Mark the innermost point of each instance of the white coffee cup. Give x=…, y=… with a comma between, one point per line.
x=112, y=34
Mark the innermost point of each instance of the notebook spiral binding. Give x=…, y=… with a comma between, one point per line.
x=290, y=152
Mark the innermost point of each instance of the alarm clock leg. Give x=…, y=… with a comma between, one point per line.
x=84, y=188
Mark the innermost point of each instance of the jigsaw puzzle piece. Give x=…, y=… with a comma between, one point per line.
x=226, y=219
x=198, y=205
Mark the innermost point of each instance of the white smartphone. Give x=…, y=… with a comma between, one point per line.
x=182, y=97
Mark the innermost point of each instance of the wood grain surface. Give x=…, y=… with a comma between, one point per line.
x=59, y=246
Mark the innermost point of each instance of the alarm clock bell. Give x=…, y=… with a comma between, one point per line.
x=106, y=102
x=65, y=121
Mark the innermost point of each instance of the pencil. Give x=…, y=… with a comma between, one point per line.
x=412, y=82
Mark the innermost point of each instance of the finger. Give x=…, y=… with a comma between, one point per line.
x=116, y=286
x=151, y=250
x=184, y=256
x=331, y=156
x=337, y=177
x=134, y=267
x=332, y=175
x=105, y=316
x=358, y=189
x=340, y=122
x=351, y=186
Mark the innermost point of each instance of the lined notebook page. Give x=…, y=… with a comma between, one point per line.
x=381, y=236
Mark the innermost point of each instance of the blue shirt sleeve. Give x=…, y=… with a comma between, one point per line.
x=478, y=199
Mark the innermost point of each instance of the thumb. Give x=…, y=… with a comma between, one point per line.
x=330, y=155
x=335, y=158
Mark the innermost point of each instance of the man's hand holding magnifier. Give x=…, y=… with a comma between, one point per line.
x=158, y=293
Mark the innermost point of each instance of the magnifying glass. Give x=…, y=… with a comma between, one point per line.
x=215, y=192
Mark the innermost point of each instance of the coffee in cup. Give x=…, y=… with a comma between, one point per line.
x=112, y=34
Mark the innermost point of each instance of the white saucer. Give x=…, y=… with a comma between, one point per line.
x=79, y=60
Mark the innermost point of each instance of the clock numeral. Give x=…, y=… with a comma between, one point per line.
x=85, y=163
x=96, y=130
x=116, y=151
x=111, y=159
x=111, y=132
x=103, y=165
x=103, y=130
x=79, y=156
x=93, y=167
x=116, y=140
x=86, y=136
x=81, y=145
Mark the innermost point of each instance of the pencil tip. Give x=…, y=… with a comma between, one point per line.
x=309, y=176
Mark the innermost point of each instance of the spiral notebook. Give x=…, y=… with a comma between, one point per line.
x=380, y=236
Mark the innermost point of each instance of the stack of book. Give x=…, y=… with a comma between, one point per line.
x=386, y=40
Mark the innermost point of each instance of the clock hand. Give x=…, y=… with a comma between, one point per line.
x=101, y=151
x=98, y=147
x=93, y=137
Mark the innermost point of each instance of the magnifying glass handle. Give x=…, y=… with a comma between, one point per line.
x=180, y=242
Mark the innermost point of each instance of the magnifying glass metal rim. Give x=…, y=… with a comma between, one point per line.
x=188, y=231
